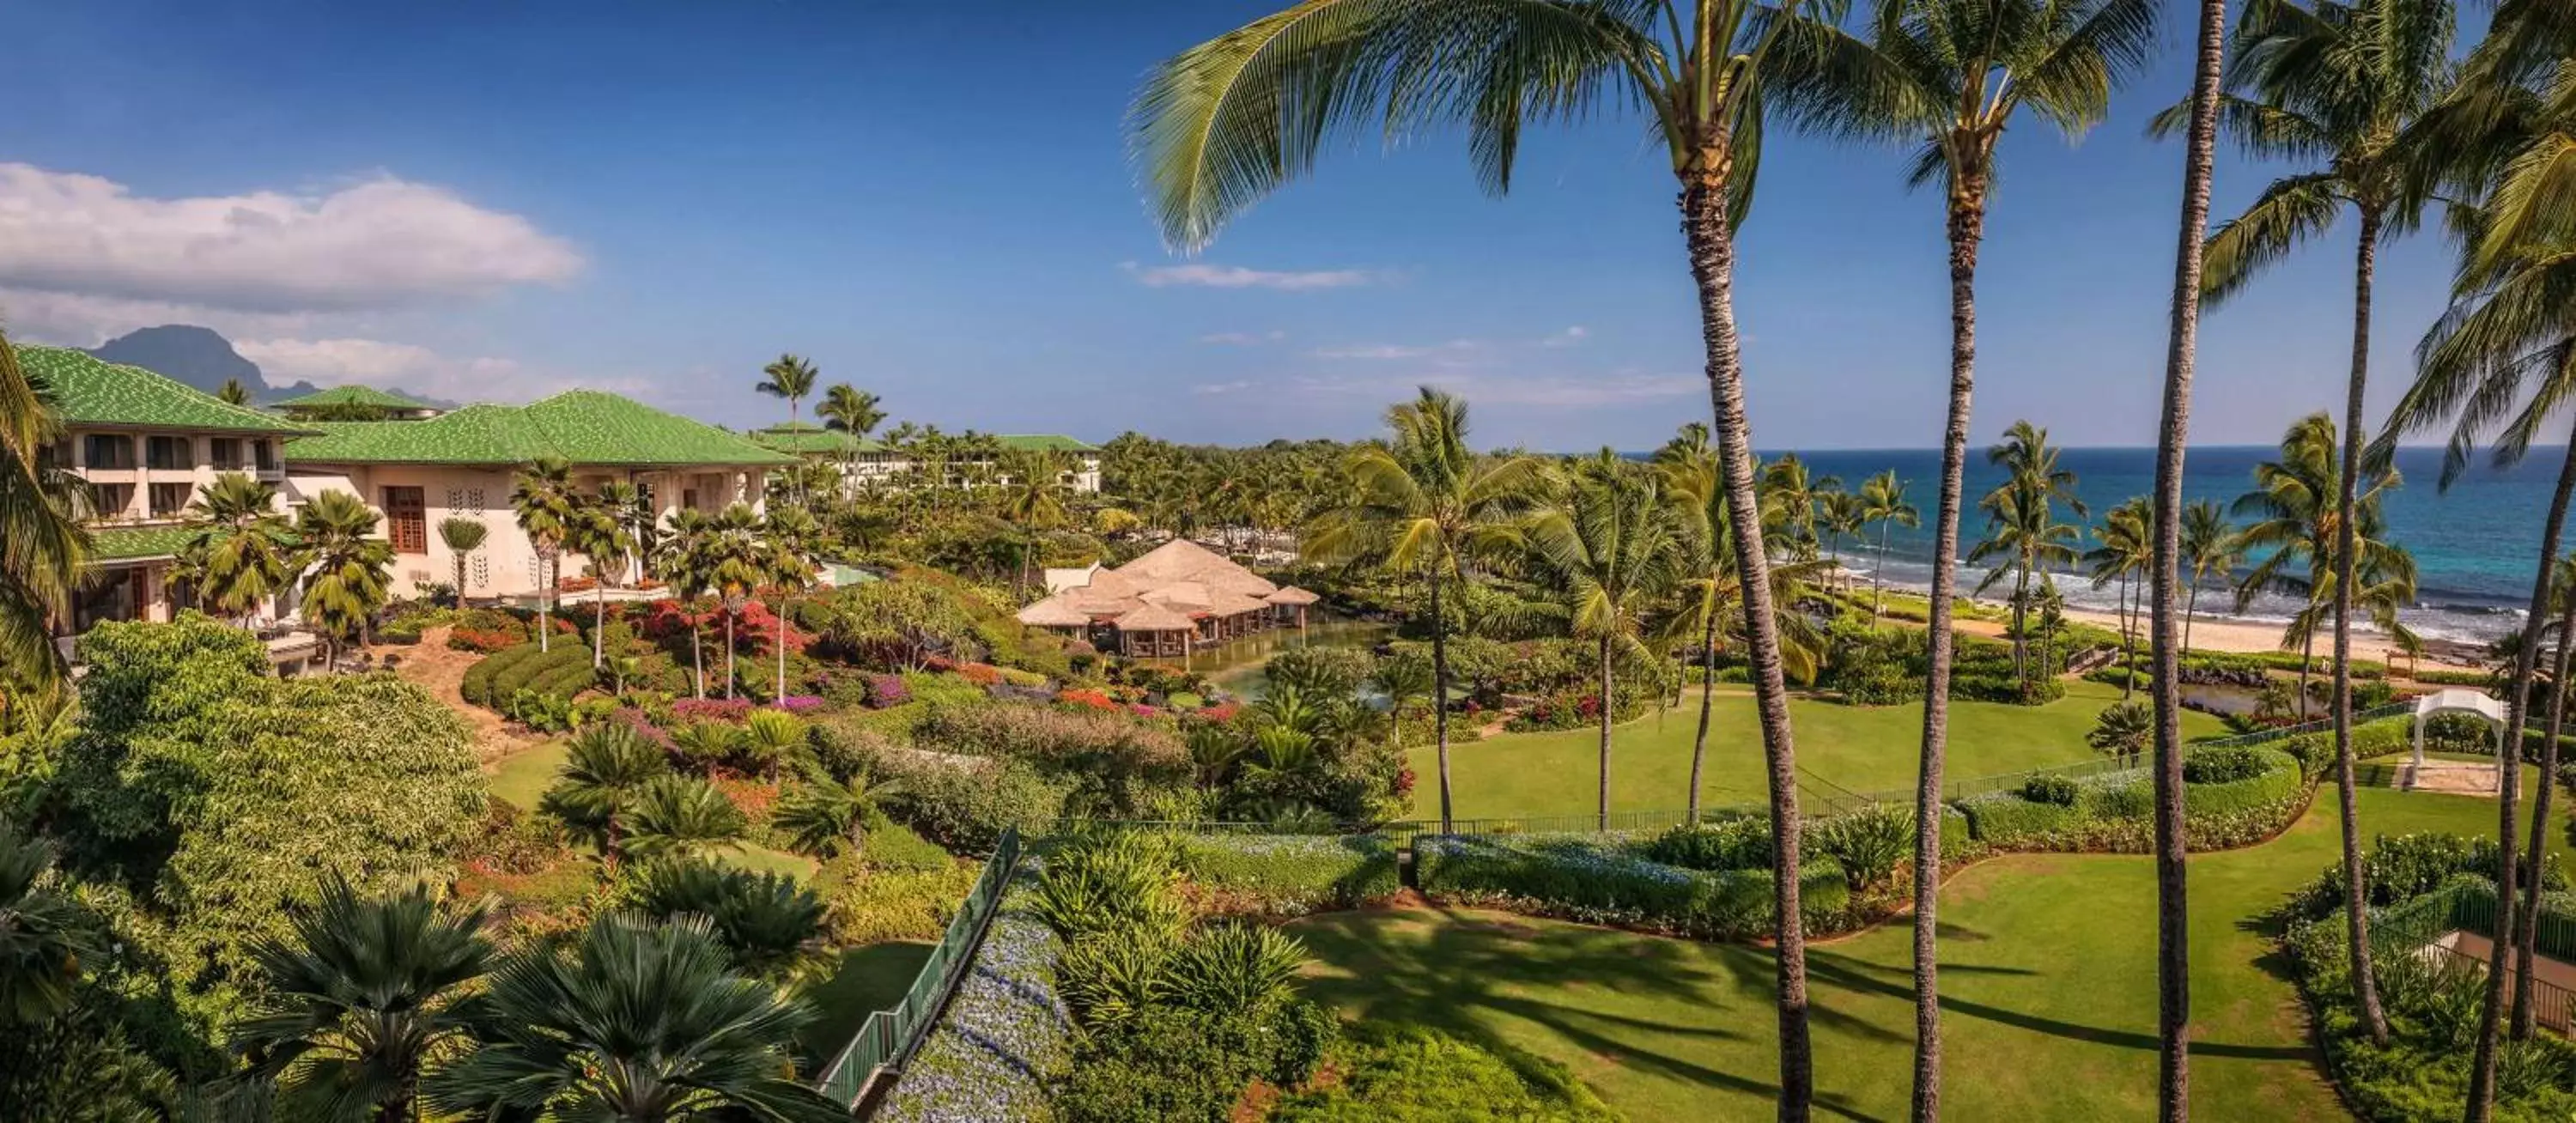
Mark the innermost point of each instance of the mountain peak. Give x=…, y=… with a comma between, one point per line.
x=194, y=355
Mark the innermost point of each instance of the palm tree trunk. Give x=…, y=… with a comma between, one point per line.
x=1966, y=230
x=545, y=601
x=1440, y=692
x=2307, y=659
x=697, y=654
x=1878, y=569
x=2173, y=928
x=2021, y=631
x=1712, y=259
x=598, y=626
x=1707, y=700
x=779, y=695
x=2509, y=796
x=2191, y=607
x=2128, y=639
x=1605, y=734
x=2529, y=935
x=728, y=654
x=2355, y=908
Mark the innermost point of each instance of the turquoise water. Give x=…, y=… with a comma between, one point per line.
x=2474, y=545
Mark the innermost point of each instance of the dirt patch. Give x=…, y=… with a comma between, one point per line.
x=441, y=670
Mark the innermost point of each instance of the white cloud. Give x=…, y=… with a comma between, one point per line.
x=1242, y=338
x=1386, y=352
x=384, y=364
x=1567, y=338
x=1221, y=387
x=84, y=321
x=374, y=244
x=1238, y=277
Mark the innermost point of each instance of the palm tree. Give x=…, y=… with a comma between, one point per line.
x=543, y=498
x=360, y=999
x=1842, y=514
x=41, y=505
x=848, y=409
x=1224, y=123
x=2020, y=508
x=2340, y=85
x=643, y=1021
x=2122, y=729
x=233, y=393
x=677, y=816
x=1787, y=483
x=2297, y=518
x=825, y=818
x=679, y=563
x=462, y=536
x=1609, y=546
x=1424, y=504
x=791, y=378
x=346, y=570
x=2173, y=932
x=238, y=555
x=2128, y=547
x=793, y=541
x=1033, y=501
x=44, y=942
x=1882, y=501
x=605, y=770
x=734, y=560
x=2209, y=546
x=631, y=508
x=597, y=533
x=1402, y=680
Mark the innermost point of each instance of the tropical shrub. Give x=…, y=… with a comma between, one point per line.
x=871, y=904
x=476, y=686
x=2402, y=867
x=1742, y=842
x=965, y=809
x=1289, y=874
x=1321, y=671
x=1599, y=879
x=2059, y=790
x=765, y=919
x=2112, y=811
x=1111, y=762
x=1868, y=843
x=2222, y=765
x=732, y=710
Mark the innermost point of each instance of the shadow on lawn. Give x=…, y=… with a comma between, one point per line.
x=1449, y=970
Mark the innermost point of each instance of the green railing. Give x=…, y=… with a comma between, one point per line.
x=2262, y=736
x=2417, y=927
x=889, y=1035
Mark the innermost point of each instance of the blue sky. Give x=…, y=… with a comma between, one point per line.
x=494, y=200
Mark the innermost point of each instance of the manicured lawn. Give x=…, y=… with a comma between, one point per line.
x=1863, y=748
x=866, y=980
x=2048, y=984
x=522, y=777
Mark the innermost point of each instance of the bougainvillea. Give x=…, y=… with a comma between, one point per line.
x=688, y=710
x=800, y=704
x=887, y=692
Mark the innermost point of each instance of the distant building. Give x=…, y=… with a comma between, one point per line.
x=339, y=401
x=1176, y=597
x=871, y=462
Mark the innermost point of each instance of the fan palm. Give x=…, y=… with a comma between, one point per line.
x=765, y=920
x=1882, y=501
x=2122, y=729
x=542, y=497
x=642, y=1021
x=43, y=942
x=681, y=816
x=1224, y=123
x=2209, y=546
x=359, y=1000
x=792, y=378
x=346, y=570
x=605, y=770
x=826, y=818
x=2336, y=85
x=848, y=409
x=1425, y=504
x=238, y=552
x=2127, y=549
x=1608, y=545
x=462, y=536
x=43, y=549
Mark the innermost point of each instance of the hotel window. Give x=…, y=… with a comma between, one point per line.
x=407, y=519
x=264, y=455
x=170, y=499
x=107, y=450
x=226, y=452
x=109, y=501
x=170, y=453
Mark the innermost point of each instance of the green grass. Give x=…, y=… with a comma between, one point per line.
x=523, y=776
x=863, y=981
x=2048, y=985
x=1858, y=747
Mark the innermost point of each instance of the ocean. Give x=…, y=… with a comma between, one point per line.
x=2474, y=545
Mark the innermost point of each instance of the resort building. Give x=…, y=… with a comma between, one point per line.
x=1176, y=597
x=342, y=403
x=464, y=463
x=144, y=444
x=869, y=462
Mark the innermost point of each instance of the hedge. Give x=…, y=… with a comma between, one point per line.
x=526, y=671
x=477, y=686
x=2114, y=811
x=1291, y=874
x=564, y=682
x=2315, y=751
x=1600, y=879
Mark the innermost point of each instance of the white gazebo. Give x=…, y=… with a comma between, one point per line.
x=2458, y=701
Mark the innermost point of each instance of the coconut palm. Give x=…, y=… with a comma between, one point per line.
x=347, y=571
x=676, y=816
x=238, y=553
x=2209, y=547
x=792, y=542
x=643, y=1020
x=1882, y=501
x=598, y=532
x=1840, y=514
x=1608, y=544
x=1402, y=680
x=462, y=536
x=44, y=943
x=2021, y=521
x=1424, y=504
x=359, y=1000
x=1795, y=495
x=1033, y=501
x=826, y=818
x=791, y=378
x=848, y=409
x=1225, y=123
x=2173, y=933
x=679, y=563
x=2296, y=517
x=41, y=505
x=542, y=497
x=605, y=770
x=2127, y=549
x=233, y=393
x=734, y=560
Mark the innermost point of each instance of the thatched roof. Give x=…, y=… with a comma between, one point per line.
x=1234, y=604
x=1183, y=560
x=1055, y=612
x=1152, y=617
x=1292, y=596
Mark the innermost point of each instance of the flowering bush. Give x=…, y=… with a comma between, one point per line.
x=1114, y=760
x=642, y=724
x=483, y=641
x=887, y=691
x=690, y=710
x=800, y=704
x=1088, y=698
x=981, y=674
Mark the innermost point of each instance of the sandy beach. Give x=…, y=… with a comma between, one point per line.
x=2224, y=634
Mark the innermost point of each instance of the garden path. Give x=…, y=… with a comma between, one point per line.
x=441, y=670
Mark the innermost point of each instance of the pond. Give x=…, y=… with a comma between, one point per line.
x=1236, y=666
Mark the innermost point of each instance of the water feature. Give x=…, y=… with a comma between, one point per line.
x=1236, y=666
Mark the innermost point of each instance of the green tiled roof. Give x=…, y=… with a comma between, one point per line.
x=92, y=391
x=807, y=437
x=133, y=543
x=581, y=426
x=351, y=396
x=1043, y=442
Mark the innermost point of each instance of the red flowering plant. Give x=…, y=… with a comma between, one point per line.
x=1091, y=699
x=981, y=674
